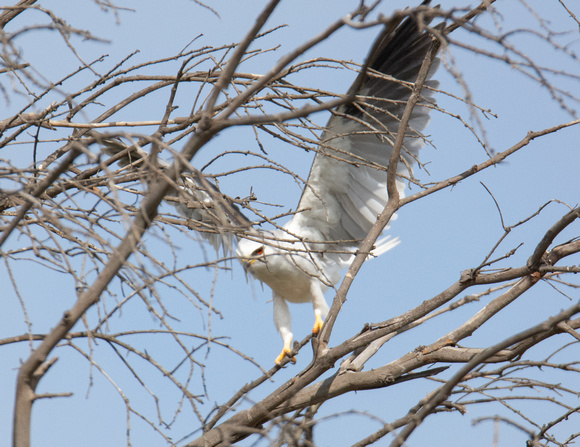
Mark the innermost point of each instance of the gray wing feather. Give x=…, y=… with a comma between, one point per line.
x=194, y=197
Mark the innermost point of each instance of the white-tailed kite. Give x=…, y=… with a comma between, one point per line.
x=346, y=188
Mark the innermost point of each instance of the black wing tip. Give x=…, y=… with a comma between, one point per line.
x=393, y=43
x=398, y=52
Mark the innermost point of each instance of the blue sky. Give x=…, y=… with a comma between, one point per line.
x=441, y=235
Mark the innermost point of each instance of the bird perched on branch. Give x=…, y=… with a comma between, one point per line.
x=346, y=188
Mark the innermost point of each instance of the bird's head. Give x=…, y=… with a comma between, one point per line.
x=252, y=255
x=271, y=260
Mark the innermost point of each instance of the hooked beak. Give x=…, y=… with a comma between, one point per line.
x=247, y=263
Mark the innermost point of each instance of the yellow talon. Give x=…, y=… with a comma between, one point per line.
x=317, y=324
x=286, y=352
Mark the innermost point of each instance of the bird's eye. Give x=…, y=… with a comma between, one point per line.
x=258, y=251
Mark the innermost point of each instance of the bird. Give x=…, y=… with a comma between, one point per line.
x=343, y=197
x=346, y=188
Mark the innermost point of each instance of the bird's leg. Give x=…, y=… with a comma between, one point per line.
x=318, y=322
x=283, y=323
x=320, y=307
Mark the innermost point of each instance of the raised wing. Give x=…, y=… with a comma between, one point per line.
x=346, y=188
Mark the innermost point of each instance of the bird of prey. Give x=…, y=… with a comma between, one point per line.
x=346, y=188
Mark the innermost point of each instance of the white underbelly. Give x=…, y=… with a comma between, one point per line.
x=294, y=291
x=292, y=284
x=293, y=278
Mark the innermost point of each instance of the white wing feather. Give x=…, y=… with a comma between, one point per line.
x=346, y=188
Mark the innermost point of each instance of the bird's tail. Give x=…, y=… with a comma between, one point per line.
x=383, y=245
